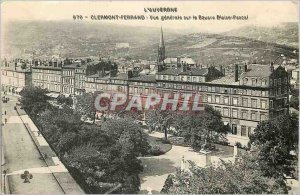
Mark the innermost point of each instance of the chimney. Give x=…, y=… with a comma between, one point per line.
x=236, y=73
x=129, y=74
x=178, y=61
x=183, y=66
x=272, y=67
x=103, y=71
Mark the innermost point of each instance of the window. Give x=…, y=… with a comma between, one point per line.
x=235, y=101
x=243, y=131
x=244, y=114
x=263, y=104
x=217, y=99
x=262, y=116
x=271, y=103
x=234, y=91
x=194, y=79
x=245, y=102
x=253, y=103
x=218, y=109
x=209, y=89
x=234, y=113
x=226, y=100
x=253, y=116
x=249, y=131
x=234, y=129
x=208, y=98
x=253, y=82
x=275, y=82
x=279, y=91
x=225, y=112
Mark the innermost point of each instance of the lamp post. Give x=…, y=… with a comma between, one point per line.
x=4, y=180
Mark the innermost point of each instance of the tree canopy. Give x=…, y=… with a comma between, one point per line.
x=99, y=157
x=274, y=140
x=241, y=177
x=34, y=100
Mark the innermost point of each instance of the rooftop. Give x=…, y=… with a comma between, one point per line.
x=258, y=70
x=145, y=78
x=192, y=71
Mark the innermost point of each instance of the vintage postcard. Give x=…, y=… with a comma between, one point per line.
x=149, y=97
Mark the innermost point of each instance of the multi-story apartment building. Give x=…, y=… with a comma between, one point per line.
x=68, y=79
x=14, y=78
x=47, y=76
x=79, y=79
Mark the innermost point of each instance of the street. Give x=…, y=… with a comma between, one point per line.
x=21, y=154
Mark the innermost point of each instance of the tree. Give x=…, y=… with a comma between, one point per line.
x=294, y=102
x=34, y=100
x=160, y=119
x=85, y=105
x=61, y=99
x=242, y=177
x=274, y=140
x=200, y=128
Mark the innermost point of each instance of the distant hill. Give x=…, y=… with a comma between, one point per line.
x=75, y=39
x=222, y=50
x=71, y=39
x=284, y=34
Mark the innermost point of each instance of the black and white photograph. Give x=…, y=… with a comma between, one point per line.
x=149, y=97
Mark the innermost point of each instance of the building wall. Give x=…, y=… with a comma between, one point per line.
x=14, y=80
x=47, y=78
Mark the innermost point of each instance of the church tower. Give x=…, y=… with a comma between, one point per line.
x=161, y=48
x=161, y=53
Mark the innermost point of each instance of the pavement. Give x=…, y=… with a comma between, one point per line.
x=22, y=150
x=157, y=168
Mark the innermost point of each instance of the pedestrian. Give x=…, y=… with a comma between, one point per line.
x=4, y=112
x=5, y=120
x=39, y=133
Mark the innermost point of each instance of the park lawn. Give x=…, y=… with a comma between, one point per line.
x=154, y=141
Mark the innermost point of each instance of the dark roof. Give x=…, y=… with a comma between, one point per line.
x=193, y=72
x=170, y=72
x=196, y=72
x=258, y=70
x=145, y=78
x=93, y=76
x=121, y=76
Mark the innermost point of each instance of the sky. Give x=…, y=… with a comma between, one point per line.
x=260, y=13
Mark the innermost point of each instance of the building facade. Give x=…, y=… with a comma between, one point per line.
x=13, y=80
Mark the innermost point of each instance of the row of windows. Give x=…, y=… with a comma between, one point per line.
x=214, y=89
x=246, y=102
x=68, y=72
x=242, y=114
x=52, y=78
x=79, y=70
x=245, y=131
x=276, y=82
x=255, y=82
x=181, y=78
x=68, y=81
x=142, y=84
